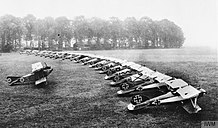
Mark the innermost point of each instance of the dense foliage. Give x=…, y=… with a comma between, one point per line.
x=84, y=33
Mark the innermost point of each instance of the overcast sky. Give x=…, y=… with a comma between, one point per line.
x=197, y=18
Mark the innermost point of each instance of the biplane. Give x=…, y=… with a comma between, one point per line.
x=178, y=91
x=35, y=52
x=52, y=54
x=114, y=62
x=83, y=58
x=69, y=56
x=42, y=53
x=39, y=74
x=25, y=52
x=63, y=55
x=111, y=71
x=77, y=57
x=141, y=81
x=99, y=64
x=47, y=54
x=126, y=69
x=107, y=63
x=92, y=61
x=58, y=55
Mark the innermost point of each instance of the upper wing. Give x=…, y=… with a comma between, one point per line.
x=128, y=64
x=160, y=77
x=188, y=92
x=177, y=83
x=37, y=66
x=135, y=66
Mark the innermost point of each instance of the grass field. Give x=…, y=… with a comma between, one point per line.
x=77, y=96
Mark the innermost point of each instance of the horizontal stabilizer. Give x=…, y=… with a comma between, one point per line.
x=177, y=83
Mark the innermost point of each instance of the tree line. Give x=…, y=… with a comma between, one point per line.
x=88, y=33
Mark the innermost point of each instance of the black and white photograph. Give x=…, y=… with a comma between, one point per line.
x=109, y=63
